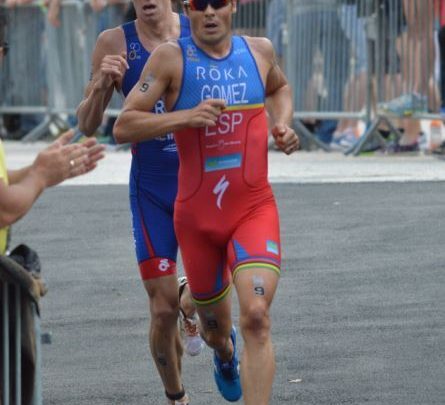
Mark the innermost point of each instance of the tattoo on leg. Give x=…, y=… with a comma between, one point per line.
x=161, y=360
x=259, y=290
x=212, y=324
x=258, y=285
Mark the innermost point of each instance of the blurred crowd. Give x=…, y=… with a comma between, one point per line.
x=342, y=56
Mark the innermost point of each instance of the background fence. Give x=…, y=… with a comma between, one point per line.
x=368, y=60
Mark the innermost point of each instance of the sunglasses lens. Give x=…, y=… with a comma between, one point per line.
x=201, y=5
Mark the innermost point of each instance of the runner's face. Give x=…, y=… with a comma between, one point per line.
x=152, y=11
x=211, y=25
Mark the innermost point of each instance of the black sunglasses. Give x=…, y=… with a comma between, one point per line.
x=201, y=5
x=5, y=48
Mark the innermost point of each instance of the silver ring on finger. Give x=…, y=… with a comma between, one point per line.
x=72, y=163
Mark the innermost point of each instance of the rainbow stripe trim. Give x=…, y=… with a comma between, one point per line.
x=214, y=299
x=256, y=265
x=243, y=107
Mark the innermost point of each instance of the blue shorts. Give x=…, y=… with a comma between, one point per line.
x=153, y=230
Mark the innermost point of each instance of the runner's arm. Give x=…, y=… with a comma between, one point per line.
x=279, y=103
x=108, y=69
x=278, y=92
x=158, y=81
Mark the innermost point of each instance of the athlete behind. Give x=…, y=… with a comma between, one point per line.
x=215, y=88
x=118, y=59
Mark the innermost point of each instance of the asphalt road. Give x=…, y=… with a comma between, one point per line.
x=359, y=317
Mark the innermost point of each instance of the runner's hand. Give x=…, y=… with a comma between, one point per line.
x=112, y=70
x=285, y=138
x=206, y=113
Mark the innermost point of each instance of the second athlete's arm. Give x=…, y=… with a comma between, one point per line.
x=109, y=66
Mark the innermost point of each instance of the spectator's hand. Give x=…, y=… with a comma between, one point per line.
x=206, y=113
x=61, y=160
x=112, y=70
x=98, y=5
x=285, y=138
x=54, y=12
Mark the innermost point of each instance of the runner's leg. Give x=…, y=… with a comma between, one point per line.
x=256, y=288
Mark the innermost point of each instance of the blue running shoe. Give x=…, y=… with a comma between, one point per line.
x=227, y=374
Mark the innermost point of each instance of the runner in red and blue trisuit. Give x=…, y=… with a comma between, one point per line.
x=225, y=215
x=215, y=86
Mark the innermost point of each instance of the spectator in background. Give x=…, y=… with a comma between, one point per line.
x=347, y=130
x=105, y=14
x=419, y=15
x=440, y=15
x=440, y=12
x=405, y=27
x=3, y=44
x=60, y=161
x=98, y=6
x=250, y=17
x=319, y=55
x=17, y=125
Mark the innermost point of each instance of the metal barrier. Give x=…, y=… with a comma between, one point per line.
x=400, y=42
x=346, y=60
x=250, y=17
x=48, y=68
x=358, y=60
x=20, y=365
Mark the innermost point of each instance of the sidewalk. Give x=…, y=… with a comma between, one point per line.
x=301, y=167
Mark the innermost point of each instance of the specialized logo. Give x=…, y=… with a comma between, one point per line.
x=164, y=265
x=220, y=189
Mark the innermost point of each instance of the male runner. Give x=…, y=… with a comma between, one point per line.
x=118, y=59
x=215, y=87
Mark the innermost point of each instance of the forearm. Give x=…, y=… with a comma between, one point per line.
x=136, y=126
x=90, y=112
x=280, y=106
x=16, y=176
x=17, y=199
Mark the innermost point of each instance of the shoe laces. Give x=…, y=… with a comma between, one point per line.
x=229, y=370
x=190, y=326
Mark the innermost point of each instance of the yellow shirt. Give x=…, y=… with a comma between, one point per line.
x=4, y=177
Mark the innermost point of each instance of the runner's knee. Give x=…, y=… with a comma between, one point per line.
x=164, y=311
x=255, y=321
x=215, y=340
